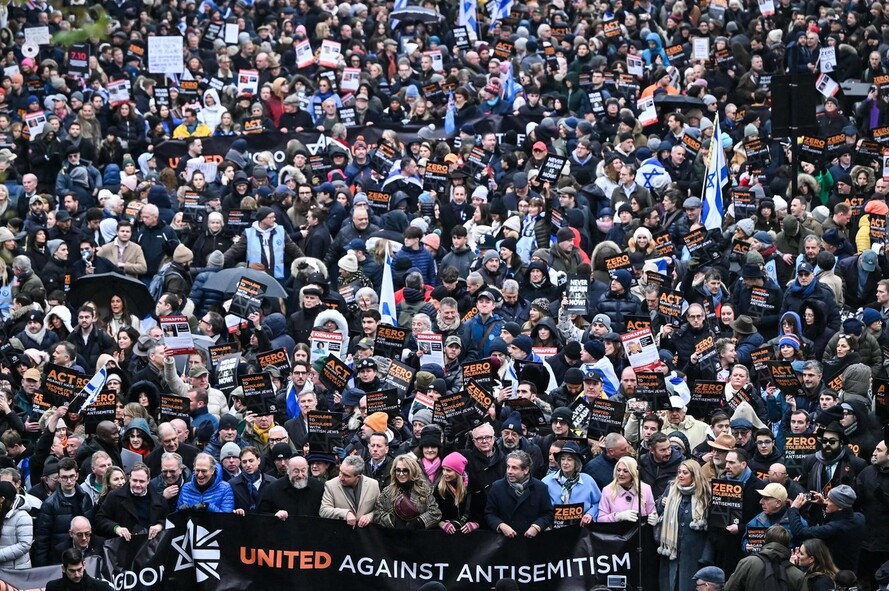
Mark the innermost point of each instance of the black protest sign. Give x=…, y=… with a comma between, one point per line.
x=740, y=396
x=726, y=504
x=740, y=248
x=383, y=401
x=435, y=177
x=677, y=54
x=759, y=303
x=705, y=347
x=275, y=358
x=136, y=49
x=757, y=152
x=400, y=377
x=606, y=416
x=567, y=515
x=324, y=430
x=379, y=201
x=706, y=395
x=663, y=244
x=856, y=204
x=697, y=242
x=259, y=393
x=880, y=134
x=481, y=372
x=581, y=410
x=669, y=305
x=389, y=341
x=503, y=50
x=576, y=292
x=434, y=93
x=227, y=372
x=868, y=151
x=59, y=384
x=651, y=388
x=620, y=261
x=796, y=449
x=744, y=202
x=552, y=167
x=880, y=391
x=655, y=278
x=785, y=379
x=531, y=414
x=835, y=144
x=161, y=96
x=477, y=163
x=347, y=116
x=835, y=382
x=636, y=322
x=192, y=211
x=103, y=408
x=812, y=149
x=174, y=407
x=79, y=60
x=459, y=411
x=335, y=374
x=761, y=358
x=247, y=298
x=692, y=145
x=383, y=159
x=479, y=395
x=217, y=352
x=239, y=219
x=877, y=228
x=461, y=37
x=756, y=539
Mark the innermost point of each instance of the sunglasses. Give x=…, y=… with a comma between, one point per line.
x=402, y=471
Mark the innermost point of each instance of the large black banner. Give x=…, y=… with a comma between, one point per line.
x=216, y=552
x=215, y=148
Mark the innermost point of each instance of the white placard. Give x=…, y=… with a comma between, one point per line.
x=330, y=54
x=647, y=111
x=641, y=350
x=766, y=7
x=827, y=59
x=165, y=55
x=351, y=79
x=826, y=85
x=700, y=49
x=208, y=168
x=11, y=70
x=35, y=122
x=635, y=65
x=248, y=81
x=118, y=92
x=885, y=169
x=431, y=346
x=325, y=343
x=305, y=57
x=177, y=335
x=38, y=35
x=231, y=33
x=437, y=60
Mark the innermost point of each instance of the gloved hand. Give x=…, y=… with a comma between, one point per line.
x=448, y=527
x=652, y=518
x=630, y=515
x=469, y=527
x=340, y=452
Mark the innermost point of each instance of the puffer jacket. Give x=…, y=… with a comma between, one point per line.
x=219, y=498
x=54, y=521
x=616, y=307
x=869, y=350
x=16, y=537
x=748, y=573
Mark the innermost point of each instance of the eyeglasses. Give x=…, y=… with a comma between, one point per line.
x=68, y=477
x=563, y=421
x=764, y=442
x=405, y=470
x=826, y=441
x=485, y=438
x=203, y=321
x=277, y=439
x=298, y=372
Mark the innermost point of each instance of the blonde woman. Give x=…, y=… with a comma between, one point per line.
x=683, y=527
x=408, y=501
x=620, y=498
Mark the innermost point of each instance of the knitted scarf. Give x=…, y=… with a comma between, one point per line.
x=262, y=434
x=38, y=336
x=567, y=484
x=431, y=468
x=519, y=487
x=251, y=479
x=670, y=520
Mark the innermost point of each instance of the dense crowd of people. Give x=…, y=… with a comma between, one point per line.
x=533, y=183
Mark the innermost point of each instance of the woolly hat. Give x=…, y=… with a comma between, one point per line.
x=623, y=277
x=53, y=245
x=523, y=342
x=746, y=226
x=789, y=339
x=455, y=461
x=422, y=381
x=183, y=255
x=216, y=259
x=229, y=450
x=378, y=421
x=348, y=263
x=843, y=496
x=764, y=237
x=869, y=316
x=423, y=416
x=595, y=348
x=228, y=421
x=513, y=422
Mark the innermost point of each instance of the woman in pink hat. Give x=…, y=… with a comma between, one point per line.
x=453, y=496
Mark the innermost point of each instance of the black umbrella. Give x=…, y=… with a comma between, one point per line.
x=226, y=281
x=99, y=289
x=416, y=14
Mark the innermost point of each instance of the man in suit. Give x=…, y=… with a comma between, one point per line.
x=352, y=495
x=133, y=509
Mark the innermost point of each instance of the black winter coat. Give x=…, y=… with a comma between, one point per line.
x=54, y=521
x=119, y=509
x=281, y=495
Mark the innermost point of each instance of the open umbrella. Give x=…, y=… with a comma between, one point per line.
x=416, y=14
x=99, y=289
x=678, y=101
x=226, y=281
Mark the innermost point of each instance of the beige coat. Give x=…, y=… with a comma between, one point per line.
x=336, y=504
x=133, y=258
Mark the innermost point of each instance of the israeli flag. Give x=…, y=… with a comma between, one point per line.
x=387, y=295
x=717, y=178
x=94, y=386
x=450, y=123
x=652, y=174
x=467, y=17
x=502, y=8
x=399, y=4
x=511, y=88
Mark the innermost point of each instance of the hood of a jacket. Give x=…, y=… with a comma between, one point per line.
x=276, y=323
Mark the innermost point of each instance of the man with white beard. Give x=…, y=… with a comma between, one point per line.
x=297, y=494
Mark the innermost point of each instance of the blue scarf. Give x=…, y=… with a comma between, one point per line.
x=292, y=403
x=804, y=292
x=743, y=478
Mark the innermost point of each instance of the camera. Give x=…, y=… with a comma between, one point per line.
x=616, y=582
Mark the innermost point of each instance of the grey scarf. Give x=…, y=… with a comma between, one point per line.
x=37, y=336
x=519, y=487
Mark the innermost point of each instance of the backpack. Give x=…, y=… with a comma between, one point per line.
x=156, y=287
x=774, y=575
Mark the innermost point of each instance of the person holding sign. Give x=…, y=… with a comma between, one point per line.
x=569, y=485
x=774, y=511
